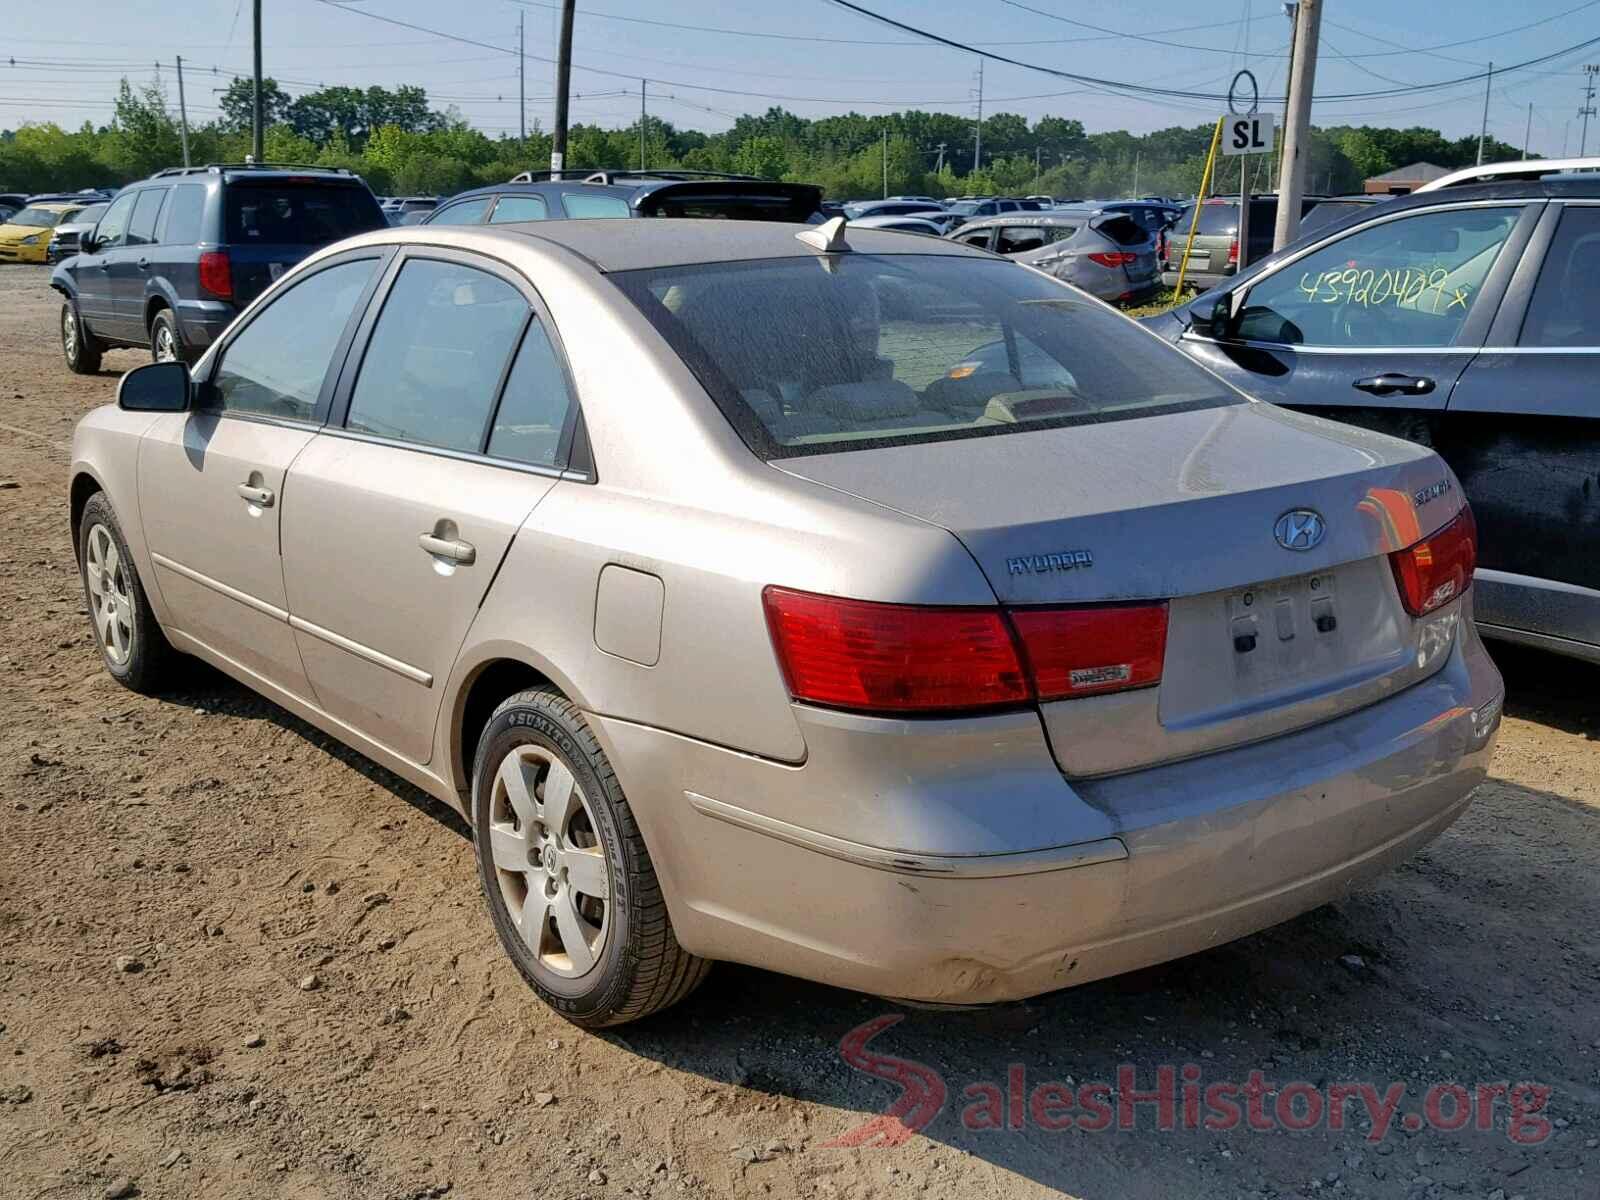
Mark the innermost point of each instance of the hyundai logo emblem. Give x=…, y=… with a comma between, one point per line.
x=1300, y=529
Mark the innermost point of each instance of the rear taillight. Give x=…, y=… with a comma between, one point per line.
x=1081, y=651
x=1438, y=568
x=904, y=658
x=216, y=274
x=1233, y=252
x=1113, y=258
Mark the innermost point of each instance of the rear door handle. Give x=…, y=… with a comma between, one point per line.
x=1391, y=382
x=256, y=495
x=455, y=550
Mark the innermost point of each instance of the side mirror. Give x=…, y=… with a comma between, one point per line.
x=155, y=387
x=1216, y=321
x=87, y=243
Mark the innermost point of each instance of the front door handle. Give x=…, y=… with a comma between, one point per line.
x=1391, y=382
x=453, y=549
x=256, y=495
x=144, y=264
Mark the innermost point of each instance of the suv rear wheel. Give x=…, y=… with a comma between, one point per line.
x=81, y=349
x=166, y=344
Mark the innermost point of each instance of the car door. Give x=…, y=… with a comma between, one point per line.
x=1522, y=433
x=400, y=513
x=211, y=481
x=129, y=265
x=92, y=274
x=1376, y=325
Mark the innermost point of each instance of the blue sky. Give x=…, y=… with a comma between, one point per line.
x=817, y=58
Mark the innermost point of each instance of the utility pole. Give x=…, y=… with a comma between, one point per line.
x=522, y=83
x=1136, y=174
x=1297, y=122
x=885, y=162
x=558, y=138
x=1292, y=12
x=183, y=113
x=256, y=130
x=977, y=141
x=642, y=119
x=1483, y=130
x=1590, y=70
x=1036, y=169
x=939, y=169
x=1527, y=136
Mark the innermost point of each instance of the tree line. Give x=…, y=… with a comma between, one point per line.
x=402, y=145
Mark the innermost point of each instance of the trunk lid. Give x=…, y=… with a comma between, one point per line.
x=1183, y=507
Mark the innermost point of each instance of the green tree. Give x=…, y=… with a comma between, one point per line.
x=238, y=104
x=143, y=138
x=764, y=155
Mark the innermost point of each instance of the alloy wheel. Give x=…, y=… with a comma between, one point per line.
x=69, y=334
x=166, y=347
x=109, y=595
x=547, y=858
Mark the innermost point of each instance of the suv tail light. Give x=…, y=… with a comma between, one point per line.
x=1113, y=258
x=1438, y=568
x=1233, y=252
x=905, y=658
x=216, y=274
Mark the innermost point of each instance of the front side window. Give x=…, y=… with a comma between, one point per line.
x=810, y=356
x=115, y=223
x=276, y=365
x=1565, y=309
x=978, y=237
x=437, y=353
x=578, y=205
x=1406, y=282
x=518, y=208
x=142, y=225
x=467, y=212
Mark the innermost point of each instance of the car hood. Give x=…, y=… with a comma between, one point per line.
x=10, y=235
x=1170, y=505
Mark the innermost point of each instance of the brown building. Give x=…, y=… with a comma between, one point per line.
x=1404, y=179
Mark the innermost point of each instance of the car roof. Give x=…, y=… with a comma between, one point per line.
x=1528, y=170
x=889, y=220
x=1055, y=216
x=616, y=245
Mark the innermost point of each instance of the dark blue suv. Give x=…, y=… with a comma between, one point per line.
x=176, y=256
x=539, y=196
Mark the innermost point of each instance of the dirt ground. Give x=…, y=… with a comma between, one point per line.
x=231, y=851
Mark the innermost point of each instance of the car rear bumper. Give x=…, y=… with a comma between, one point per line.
x=202, y=321
x=951, y=862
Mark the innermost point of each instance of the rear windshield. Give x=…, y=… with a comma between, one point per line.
x=815, y=355
x=299, y=214
x=1214, y=219
x=1124, y=231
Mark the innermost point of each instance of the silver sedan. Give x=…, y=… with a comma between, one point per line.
x=858, y=606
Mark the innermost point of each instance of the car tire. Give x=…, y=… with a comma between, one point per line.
x=132, y=646
x=80, y=347
x=166, y=342
x=543, y=855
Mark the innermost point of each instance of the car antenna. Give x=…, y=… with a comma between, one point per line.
x=827, y=237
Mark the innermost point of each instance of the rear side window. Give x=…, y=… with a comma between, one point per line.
x=978, y=237
x=1016, y=239
x=888, y=349
x=298, y=214
x=519, y=208
x=1565, y=309
x=181, y=218
x=579, y=205
x=142, y=227
x=533, y=411
x=436, y=356
x=275, y=366
x=1124, y=231
x=466, y=212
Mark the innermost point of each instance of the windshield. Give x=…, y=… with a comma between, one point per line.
x=815, y=355
x=297, y=214
x=89, y=215
x=41, y=218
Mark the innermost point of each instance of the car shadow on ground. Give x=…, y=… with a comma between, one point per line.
x=200, y=685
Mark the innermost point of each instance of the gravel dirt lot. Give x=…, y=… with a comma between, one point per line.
x=223, y=852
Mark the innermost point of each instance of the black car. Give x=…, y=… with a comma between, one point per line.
x=176, y=256
x=540, y=195
x=1467, y=319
